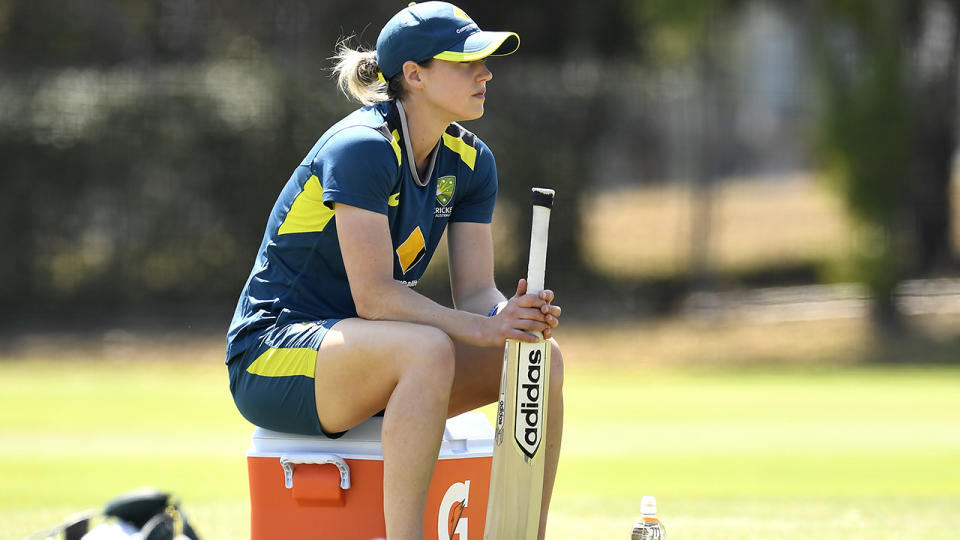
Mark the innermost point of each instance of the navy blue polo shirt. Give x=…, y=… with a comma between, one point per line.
x=365, y=160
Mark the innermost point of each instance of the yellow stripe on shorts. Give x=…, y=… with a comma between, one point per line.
x=276, y=362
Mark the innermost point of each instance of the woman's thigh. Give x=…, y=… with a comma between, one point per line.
x=273, y=381
x=360, y=363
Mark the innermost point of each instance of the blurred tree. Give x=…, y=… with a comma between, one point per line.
x=886, y=135
x=543, y=139
x=144, y=140
x=934, y=51
x=549, y=105
x=141, y=117
x=689, y=32
x=888, y=71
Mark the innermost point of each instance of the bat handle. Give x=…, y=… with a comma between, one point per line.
x=542, y=201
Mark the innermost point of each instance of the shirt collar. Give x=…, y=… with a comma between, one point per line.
x=431, y=161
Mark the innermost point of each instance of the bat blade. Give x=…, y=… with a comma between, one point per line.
x=516, y=476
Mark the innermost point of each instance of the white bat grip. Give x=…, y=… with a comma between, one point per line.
x=538, y=240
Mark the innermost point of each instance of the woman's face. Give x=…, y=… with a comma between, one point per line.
x=456, y=89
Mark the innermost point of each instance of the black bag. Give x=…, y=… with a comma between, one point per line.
x=155, y=513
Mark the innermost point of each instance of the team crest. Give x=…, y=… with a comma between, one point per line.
x=445, y=188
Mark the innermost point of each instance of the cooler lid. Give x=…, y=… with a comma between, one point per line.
x=467, y=435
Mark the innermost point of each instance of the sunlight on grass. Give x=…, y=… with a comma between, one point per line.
x=741, y=432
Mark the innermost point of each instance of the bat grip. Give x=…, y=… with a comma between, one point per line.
x=536, y=268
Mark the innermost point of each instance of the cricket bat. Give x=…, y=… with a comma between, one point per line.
x=516, y=476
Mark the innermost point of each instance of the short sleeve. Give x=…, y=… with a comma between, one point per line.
x=478, y=201
x=357, y=166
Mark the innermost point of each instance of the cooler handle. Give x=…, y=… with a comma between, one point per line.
x=289, y=460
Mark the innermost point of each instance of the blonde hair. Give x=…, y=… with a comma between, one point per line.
x=358, y=75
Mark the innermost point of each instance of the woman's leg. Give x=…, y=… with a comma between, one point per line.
x=477, y=383
x=406, y=369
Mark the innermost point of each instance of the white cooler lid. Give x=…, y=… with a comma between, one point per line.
x=467, y=435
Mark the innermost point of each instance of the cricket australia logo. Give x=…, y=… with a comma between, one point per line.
x=529, y=408
x=445, y=187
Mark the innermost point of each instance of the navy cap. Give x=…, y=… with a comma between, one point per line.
x=437, y=30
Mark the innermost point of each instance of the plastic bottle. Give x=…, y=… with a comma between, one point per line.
x=648, y=527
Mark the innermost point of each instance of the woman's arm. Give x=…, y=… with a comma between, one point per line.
x=471, y=278
x=368, y=258
x=470, y=249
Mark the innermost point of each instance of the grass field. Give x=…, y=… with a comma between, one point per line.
x=741, y=433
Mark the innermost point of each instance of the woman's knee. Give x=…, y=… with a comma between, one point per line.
x=430, y=354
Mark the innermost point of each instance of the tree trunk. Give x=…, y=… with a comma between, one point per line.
x=934, y=131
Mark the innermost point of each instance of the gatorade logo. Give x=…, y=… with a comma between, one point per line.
x=529, y=408
x=450, y=520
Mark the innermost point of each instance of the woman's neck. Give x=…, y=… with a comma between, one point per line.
x=425, y=129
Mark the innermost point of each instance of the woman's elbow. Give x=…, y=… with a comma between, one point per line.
x=369, y=303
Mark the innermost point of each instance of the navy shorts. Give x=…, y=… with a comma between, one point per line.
x=273, y=382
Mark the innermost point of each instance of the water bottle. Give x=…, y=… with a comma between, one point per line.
x=648, y=527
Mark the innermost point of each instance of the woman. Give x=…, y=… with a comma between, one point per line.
x=328, y=330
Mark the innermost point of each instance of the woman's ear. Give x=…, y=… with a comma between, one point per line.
x=411, y=73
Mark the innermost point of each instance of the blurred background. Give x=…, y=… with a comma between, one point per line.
x=742, y=185
x=696, y=146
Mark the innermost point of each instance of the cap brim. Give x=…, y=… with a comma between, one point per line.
x=481, y=45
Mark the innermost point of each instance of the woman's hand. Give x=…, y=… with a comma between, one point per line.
x=525, y=313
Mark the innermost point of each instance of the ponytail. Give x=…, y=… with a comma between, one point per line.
x=358, y=76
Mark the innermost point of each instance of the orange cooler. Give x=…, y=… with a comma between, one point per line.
x=304, y=487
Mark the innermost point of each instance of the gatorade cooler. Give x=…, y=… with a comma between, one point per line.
x=304, y=487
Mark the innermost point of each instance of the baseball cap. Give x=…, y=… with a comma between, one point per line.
x=437, y=30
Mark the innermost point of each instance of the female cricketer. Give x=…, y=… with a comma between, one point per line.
x=328, y=330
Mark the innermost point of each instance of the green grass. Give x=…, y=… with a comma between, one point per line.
x=74, y=434
x=734, y=453
x=852, y=453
